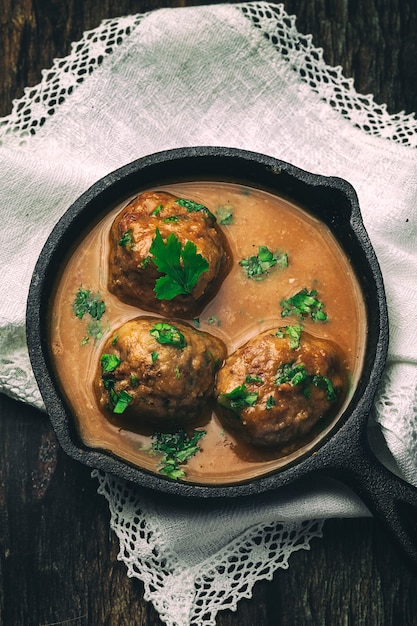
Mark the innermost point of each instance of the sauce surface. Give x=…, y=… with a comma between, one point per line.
x=241, y=309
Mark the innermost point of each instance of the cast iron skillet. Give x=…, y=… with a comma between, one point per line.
x=345, y=453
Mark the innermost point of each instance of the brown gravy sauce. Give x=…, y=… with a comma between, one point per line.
x=241, y=309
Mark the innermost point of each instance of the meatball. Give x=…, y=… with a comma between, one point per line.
x=158, y=372
x=272, y=391
x=166, y=276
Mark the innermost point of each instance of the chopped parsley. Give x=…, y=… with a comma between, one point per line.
x=95, y=329
x=177, y=448
x=295, y=374
x=118, y=402
x=168, y=334
x=257, y=380
x=293, y=333
x=145, y=262
x=109, y=362
x=157, y=210
x=258, y=266
x=270, y=403
x=213, y=320
x=291, y=373
x=123, y=400
x=238, y=399
x=87, y=302
x=193, y=207
x=325, y=383
x=304, y=304
x=181, y=266
x=126, y=240
x=154, y=356
x=225, y=215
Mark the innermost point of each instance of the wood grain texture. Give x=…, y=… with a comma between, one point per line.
x=58, y=557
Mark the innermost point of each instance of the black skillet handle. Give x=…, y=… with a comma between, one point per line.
x=390, y=499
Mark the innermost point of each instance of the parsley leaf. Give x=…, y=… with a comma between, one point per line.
x=270, y=403
x=238, y=399
x=118, y=401
x=225, y=215
x=259, y=265
x=87, y=302
x=325, y=383
x=126, y=240
x=157, y=210
x=297, y=374
x=193, y=207
x=182, y=266
x=304, y=304
x=123, y=401
x=291, y=373
x=176, y=448
x=257, y=380
x=168, y=334
x=293, y=332
x=109, y=362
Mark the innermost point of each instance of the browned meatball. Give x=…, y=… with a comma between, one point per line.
x=138, y=235
x=272, y=393
x=158, y=371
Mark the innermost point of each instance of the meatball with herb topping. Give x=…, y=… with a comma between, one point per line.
x=158, y=372
x=167, y=254
x=273, y=390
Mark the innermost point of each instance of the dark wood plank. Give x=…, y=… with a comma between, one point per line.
x=58, y=558
x=375, y=42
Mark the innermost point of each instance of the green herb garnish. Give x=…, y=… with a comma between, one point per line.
x=177, y=448
x=213, y=320
x=95, y=329
x=168, y=334
x=145, y=262
x=109, y=362
x=157, y=210
x=225, y=215
x=304, y=304
x=257, y=380
x=193, y=207
x=270, y=403
x=118, y=401
x=238, y=399
x=182, y=266
x=259, y=266
x=325, y=383
x=87, y=302
x=293, y=333
x=123, y=401
x=291, y=373
x=295, y=374
x=126, y=240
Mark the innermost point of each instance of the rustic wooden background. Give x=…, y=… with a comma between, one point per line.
x=58, y=558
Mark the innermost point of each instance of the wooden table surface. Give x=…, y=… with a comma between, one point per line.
x=58, y=558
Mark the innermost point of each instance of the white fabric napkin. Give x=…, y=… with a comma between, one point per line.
x=239, y=76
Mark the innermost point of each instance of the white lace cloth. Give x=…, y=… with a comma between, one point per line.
x=241, y=76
